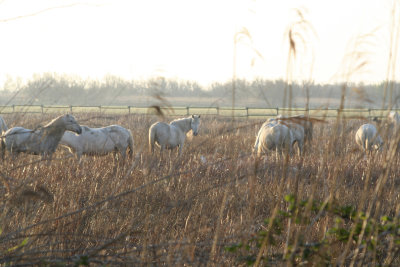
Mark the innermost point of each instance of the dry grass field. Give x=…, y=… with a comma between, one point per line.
x=216, y=205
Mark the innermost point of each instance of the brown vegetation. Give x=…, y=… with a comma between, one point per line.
x=188, y=210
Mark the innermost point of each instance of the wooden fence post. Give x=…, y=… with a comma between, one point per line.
x=277, y=111
x=187, y=111
x=217, y=108
x=247, y=112
x=41, y=107
x=70, y=109
x=100, y=108
x=129, y=110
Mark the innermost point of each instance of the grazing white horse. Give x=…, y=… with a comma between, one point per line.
x=99, y=141
x=172, y=135
x=3, y=125
x=367, y=137
x=298, y=131
x=42, y=141
x=273, y=135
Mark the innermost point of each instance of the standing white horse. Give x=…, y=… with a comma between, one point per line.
x=174, y=134
x=393, y=119
x=368, y=138
x=273, y=136
x=42, y=141
x=99, y=141
x=3, y=125
x=297, y=130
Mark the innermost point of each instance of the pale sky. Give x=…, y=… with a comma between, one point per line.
x=189, y=40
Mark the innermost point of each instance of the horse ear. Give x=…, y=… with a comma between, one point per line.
x=193, y=116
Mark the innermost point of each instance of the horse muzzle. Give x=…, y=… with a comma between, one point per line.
x=195, y=134
x=79, y=130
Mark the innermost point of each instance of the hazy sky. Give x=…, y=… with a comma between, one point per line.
x=192, y=40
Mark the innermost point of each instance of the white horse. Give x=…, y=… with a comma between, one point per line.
x=393, y=119
x=3, y=125
x=367, y=137
x=271, y=136
x=295, y=126
x=99, y=141
x=42, y=141
x=172, y=135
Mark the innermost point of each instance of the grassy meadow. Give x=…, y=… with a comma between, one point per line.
x=216, y=205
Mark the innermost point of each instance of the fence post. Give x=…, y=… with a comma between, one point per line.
x=100, y=108
x=277, y=111
x=369, y=113
x=187, y=111
x=41, y=107
x=70, y=109
x=217, y=108
x=247, y=112
x=129, y=110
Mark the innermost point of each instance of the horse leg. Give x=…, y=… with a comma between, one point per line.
x=116, y=156
x=47, y=158
x=14, y=156
x=301, y=148
x=278, y=152
x=79, y=158
x=3, y=148
x=162, y=147
x=123, y=154
x=180, y=149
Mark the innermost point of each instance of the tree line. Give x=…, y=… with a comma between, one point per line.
x=53, y=89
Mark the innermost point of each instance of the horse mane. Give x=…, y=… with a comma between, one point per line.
x=180, y=120
x=53, y=121
x=183, y=123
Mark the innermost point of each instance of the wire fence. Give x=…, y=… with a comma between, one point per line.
x=244, y=112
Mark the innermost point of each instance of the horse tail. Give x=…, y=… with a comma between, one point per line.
x=130, y=143
x=255, y=148
x=152, y=136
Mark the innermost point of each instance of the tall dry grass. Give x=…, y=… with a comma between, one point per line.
x=188, y=210
x=215, y=205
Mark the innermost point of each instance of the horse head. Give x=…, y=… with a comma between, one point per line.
x=194, y=124
x=71, y=124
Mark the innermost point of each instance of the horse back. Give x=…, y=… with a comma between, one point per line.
x=117, y=132
x=160, y=128
x=20, y=139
